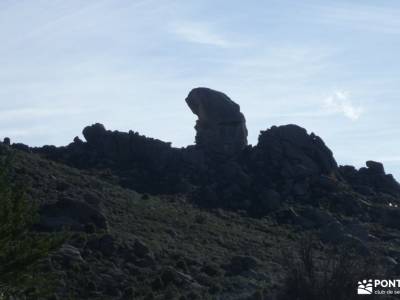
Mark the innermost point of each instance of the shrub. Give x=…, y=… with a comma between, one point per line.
x=21, y=249
x=329, y=274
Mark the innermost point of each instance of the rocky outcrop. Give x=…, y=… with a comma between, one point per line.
x=371, y=179
x=123, y=148
x=293, y=153
x=288, y=165
x=221, y=127
x=137, y=162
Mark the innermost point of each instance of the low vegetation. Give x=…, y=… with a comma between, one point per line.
x=315, y=272
x=21, y=249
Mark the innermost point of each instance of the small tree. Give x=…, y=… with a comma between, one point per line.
x=21, y=249
x=329, y=274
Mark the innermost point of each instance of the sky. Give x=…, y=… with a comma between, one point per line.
x=330, y=66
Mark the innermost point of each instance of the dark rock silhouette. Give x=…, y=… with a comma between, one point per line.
x=221, y=127
x=95, y=134
x=371, y=180
x=137, y=162
x=299, y=153
x=221, y=170
x=121, y=241
x=375, y=167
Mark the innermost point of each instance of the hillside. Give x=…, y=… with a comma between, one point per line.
x=146, y=238
x=215, y=220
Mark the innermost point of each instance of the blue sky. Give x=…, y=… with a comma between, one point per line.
x=329, y=66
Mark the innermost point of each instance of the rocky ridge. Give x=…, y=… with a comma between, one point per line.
x=287, y=184
x=221, y=170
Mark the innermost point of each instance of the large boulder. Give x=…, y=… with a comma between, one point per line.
x=306, y=153
x=95, y=134
x=291, y=161
x=69, y=213
x=290, y=152
x=375, y=167
x=221, y=127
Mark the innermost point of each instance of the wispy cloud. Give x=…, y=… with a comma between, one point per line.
x=340, y=102
x=200, y=33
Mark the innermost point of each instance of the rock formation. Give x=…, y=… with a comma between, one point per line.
x=121, y=244
x=294, y=153
x=287, y=165
x=221, y=127
x=371, y=179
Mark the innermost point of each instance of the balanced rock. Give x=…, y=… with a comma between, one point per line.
x=375, y=167
x=221, y=127
x=95, y=134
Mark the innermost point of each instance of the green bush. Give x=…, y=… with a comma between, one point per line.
x=21, y=249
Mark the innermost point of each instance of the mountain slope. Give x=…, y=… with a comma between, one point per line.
x=147, y=238
x=217, y=220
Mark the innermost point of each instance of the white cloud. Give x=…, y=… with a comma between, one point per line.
x=200, y=33
x=340, y=102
